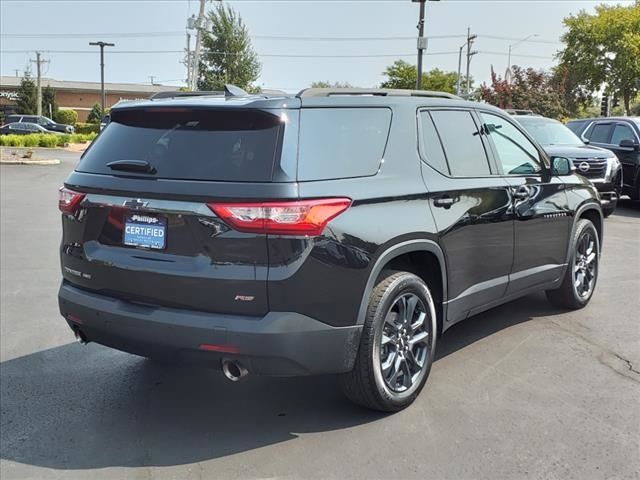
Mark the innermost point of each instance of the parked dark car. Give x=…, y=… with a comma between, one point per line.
x=621, y=135
x=44, y=122
x=334, y=231
x=22, y=128
x=597, y=164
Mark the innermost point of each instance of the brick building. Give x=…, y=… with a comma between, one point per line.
x=78, y=96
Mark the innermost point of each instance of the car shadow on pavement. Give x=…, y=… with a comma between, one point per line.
x=627, y=208
x=75, y=407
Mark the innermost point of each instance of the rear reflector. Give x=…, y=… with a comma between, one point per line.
x=218, y=348
x=68, y=200
x=74, y=319
x=303, y=217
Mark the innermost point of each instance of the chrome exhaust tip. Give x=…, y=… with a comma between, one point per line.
x=233, y=370
x=80, y=337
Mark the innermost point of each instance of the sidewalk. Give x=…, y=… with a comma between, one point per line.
x=39, y=155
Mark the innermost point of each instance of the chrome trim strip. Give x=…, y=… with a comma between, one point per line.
x=152, y=205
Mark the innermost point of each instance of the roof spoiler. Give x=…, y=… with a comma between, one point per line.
x=382, y=92
x=230, y=91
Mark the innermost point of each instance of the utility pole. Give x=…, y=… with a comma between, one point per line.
x=102, y=45
x=151, y=77
x=189, y=60
x=421, y=45
x=470, y=54
x=422, y=41
x=38, y=61
x=17, y=71
x=200, y=24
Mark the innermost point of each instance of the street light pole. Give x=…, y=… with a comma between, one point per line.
x=507, y=73
x=459, y=68
x=102, y=45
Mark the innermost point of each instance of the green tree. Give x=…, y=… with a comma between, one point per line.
x=604, y=49
x=528, y=89
x=228, y=56
x=27, y=102
x=49, y=105
x=67, y=116
x=403, y=75
x=327, y=84
x=95, y=115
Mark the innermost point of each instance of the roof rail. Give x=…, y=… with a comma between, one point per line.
x=382, y=92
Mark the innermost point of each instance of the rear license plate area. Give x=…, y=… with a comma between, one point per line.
x=145, y=231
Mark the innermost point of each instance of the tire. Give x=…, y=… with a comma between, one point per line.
x=583, y=265
x=394, y=359
x=606, y=212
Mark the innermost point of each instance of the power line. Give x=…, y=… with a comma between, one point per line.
x=497, y=37
x=283, y=55
x=487, y=52
x=337, y=38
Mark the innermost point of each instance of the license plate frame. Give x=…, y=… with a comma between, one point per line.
x=145, y=231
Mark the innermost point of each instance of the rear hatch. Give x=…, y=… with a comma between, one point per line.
x=138, y=211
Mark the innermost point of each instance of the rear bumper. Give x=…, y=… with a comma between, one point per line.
x=278, y=344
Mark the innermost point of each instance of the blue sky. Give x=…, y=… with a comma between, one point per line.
x=309, y=60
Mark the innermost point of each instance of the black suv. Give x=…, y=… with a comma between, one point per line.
x=621, y=135
x=44, y=122
x=334, y=231
x=599, y=165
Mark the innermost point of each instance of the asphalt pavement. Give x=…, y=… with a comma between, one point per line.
x=521, y=391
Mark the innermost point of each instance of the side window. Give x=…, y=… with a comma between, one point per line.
x=462, y=144
x=341, y=142
x=516, y=153
x=622, y=132
x=430, y=146
x=599, y=133
x=42, y=121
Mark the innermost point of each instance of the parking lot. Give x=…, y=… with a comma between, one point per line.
x=521, y=391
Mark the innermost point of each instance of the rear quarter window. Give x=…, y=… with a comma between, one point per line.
x=342, y=142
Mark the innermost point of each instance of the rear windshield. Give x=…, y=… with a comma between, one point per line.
x=190, y=144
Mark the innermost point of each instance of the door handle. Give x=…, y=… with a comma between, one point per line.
x=445, y=201
x=521, y=193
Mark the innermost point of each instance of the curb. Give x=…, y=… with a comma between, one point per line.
x=26, y=161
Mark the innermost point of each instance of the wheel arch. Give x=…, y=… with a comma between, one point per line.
x=593, y=213
x=418, y=257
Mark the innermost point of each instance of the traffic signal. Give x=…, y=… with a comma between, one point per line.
x=604, y=106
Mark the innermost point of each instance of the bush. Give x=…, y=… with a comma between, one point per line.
x=87, y=128
x=10, y=140
x=44, y=140
x=63, y=140
x=68, y=117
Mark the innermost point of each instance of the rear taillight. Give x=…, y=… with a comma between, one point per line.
x=303, y=217
x=68, y=200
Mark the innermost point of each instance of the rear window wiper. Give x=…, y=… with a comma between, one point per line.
x=141, y=166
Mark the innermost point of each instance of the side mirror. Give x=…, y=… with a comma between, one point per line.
x=630, y=144
x=561, y=166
